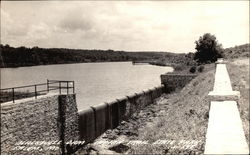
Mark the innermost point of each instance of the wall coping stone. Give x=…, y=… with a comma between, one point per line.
x=178, y=74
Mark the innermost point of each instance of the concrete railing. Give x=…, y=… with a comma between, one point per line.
x=95, y=120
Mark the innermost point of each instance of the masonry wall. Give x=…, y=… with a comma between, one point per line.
x=95, y=120
x=49, y=119
x=172, y=82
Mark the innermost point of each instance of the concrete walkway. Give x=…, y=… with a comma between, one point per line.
x=222, y=84
x=225, y=133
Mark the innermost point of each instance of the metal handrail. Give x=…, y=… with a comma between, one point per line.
x=25, y=86
x=36, y=92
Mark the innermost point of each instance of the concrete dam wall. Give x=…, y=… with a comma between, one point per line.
x=97, y=119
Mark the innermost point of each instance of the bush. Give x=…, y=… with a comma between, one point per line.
x=201, y=68
x=192, y=69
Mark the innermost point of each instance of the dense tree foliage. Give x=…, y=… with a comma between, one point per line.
x=22, y=56
x=208, y=49
x=181, y=59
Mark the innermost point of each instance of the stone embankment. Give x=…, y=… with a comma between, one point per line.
x=37, y=126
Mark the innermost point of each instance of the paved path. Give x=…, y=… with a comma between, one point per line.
x=222, y=80
x=225, y=133
x=222, y=83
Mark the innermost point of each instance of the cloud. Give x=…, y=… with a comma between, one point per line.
x=123, y=25
x=76, y=20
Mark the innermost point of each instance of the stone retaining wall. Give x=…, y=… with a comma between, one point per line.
x=174, y=81
x=50, y=118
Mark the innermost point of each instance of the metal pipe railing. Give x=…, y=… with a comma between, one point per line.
x=12, y=93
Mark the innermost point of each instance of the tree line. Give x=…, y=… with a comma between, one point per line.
x=24, y=56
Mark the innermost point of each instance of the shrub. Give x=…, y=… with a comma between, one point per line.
x=201, y=68
x=192, y=69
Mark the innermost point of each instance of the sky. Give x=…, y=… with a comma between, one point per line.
x=171, y=26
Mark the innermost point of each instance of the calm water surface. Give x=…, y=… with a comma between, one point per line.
x=95, y=82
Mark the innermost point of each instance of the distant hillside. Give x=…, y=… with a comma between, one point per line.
x=23, y=56
x=177, y=59
x=188, y=59
x=237, y=51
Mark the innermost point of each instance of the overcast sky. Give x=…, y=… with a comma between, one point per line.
x=124, y=25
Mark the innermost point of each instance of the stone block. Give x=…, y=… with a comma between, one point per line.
x=131, y=105
x=154, y=93
x=87, y=125
x=173, y=81
x=114, y=114
x=122, y=104
x=101, y=118
x=148, y=97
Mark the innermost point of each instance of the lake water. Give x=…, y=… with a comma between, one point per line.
x=95, y=82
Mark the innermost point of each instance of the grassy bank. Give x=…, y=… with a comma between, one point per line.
x=239, y=75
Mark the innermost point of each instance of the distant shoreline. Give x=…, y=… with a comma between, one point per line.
x=148, y=63
x=22, y=56
x=66, y=64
